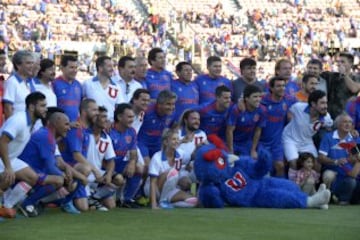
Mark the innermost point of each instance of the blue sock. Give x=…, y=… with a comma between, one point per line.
x=131, y=187
x=37, y=193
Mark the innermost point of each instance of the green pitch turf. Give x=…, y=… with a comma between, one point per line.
x=341, y=223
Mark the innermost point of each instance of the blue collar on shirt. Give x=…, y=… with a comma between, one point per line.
x=163, y=156
x=18, y=78
x=36, y=80
x=96, y=79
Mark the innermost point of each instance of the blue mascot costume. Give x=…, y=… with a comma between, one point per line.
x=243, y=184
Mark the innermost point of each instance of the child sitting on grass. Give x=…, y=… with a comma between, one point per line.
x=306, y=177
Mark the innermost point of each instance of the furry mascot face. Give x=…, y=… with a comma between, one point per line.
x=211, y=162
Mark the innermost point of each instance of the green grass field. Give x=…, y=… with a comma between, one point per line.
x=341, y=223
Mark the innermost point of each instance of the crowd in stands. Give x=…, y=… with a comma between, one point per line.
x=266, y=30
x=125, y=136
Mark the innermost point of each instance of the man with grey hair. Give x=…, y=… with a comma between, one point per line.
x=158, y=116
x=336, y=159
x=18, y=85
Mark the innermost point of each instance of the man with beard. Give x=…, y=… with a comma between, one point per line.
x=308, y=84
x=101, y=155
x=190, y=136
x=307, y=119
x=74, y=148
x=102, y=88
x=244, y=128
x=15, y=134
x=276, y=104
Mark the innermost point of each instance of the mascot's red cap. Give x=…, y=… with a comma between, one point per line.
x=214, y=139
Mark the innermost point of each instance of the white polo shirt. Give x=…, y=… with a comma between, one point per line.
x=16, y=91
x=160, y=164
x=127, y=89
x=108, y=97
x=51, y=100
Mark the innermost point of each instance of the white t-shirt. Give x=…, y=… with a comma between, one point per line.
x=102, y=150
x=18, y=129
x=300, y=129
x=189, y=147
x=108, y=97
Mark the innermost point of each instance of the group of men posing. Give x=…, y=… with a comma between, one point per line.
x=105, y=142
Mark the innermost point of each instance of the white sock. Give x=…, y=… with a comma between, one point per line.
x=103, y=191
x=188, y=203
x=319, y=199
x=59, y=194
x=16, y=194
x=170, y=184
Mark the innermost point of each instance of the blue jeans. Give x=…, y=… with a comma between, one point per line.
x=343, y=188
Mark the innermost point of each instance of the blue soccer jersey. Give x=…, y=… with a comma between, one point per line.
x=69, y=96
x=291, y=88
x=245, y=123
x=122, y=142
x=276, y=117
x=39, y=152
x=157, y=81
x=187, y=96
x=207, y=85
x=76, y=140
x=353, y=109
x=149, y=136
x=211, y=120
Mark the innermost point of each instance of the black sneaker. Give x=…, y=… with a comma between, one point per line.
x=130, y=204
x=29, y=211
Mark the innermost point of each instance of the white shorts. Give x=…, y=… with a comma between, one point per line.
x=16, y=164
x=185, y=173
x=292, y=149
x=168, y=195
x=140, y=161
